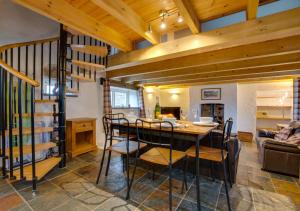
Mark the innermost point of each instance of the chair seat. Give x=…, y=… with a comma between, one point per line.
x=207, y=153
x=159, y=155
x=121, y=147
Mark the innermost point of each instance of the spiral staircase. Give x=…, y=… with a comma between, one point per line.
x=36, y=77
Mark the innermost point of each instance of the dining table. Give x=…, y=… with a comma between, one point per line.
x=184, y=130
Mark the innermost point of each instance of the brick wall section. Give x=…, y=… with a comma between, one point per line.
x=297, y=99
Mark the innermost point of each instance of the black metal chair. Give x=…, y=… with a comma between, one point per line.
x=117, y=133
x=218, y=155
x=124, y=147
x=162, y=152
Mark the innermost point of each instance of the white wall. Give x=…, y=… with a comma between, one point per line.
x=89, y=103
x=228, y=98
x=246, y=108
x=167, y=97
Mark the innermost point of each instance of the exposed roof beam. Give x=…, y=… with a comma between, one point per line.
x=74, y=18
x=233, y=54
x=220, y=79
x=252, y=8
x=122, y=12
x=187, y=11
x=247, y=80
x=275, y=69
x=274, y=59
x=202, y=47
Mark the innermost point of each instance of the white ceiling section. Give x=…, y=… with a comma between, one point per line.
x=18, y=24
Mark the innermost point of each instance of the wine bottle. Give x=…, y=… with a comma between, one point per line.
x=157, y=110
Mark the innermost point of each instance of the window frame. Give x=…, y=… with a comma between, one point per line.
x=127, y=93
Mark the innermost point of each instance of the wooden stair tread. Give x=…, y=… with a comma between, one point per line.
x=89, y=49
x=27, y=130
x=37, y=114
x=161, y=156
x=82, y=78
x=42, y=168
x=89, y=66
x=207, y=153
x=27, y=149
x=45, y=101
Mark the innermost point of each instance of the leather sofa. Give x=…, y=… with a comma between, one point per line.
x=280, y=157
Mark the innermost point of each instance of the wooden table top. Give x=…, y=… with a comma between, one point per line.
x=188, y=128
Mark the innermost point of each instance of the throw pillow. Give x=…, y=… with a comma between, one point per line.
x=294, y=139
x=283, y=134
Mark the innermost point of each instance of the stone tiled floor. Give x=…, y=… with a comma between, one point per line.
x=73, y=188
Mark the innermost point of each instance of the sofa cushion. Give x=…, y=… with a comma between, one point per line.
x=294, y=139
x=294, y=124
x=283, y=134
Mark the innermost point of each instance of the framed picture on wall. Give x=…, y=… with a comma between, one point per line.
x=211, y=94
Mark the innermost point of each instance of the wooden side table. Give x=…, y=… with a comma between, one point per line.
x=81, y=136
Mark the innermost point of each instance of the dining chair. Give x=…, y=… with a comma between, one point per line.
x=125, y=147
x=118, y=134
x=218, y=155
x=161, y=152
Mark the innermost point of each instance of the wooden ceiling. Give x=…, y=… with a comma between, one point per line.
x=248, y=50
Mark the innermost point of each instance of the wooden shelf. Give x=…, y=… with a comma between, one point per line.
x=89, y=66
x=42, y=168
x=81, y=78
x=27, y=130
x=94, y=50
x=27, y=149
x=72, y=91
x=272, y=117
x=46, y=101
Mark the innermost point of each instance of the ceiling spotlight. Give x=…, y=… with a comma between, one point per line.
x=163, y=24
x=149, y=28
x=179, y=18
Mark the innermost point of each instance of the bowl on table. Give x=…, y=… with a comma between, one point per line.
x=172, y=120
x=206, y=119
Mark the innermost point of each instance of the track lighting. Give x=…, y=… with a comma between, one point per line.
x=163, y=24
x=179, y=18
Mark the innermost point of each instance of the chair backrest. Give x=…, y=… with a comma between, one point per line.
x=111, y=122
x=155, y=133
x=227, y=132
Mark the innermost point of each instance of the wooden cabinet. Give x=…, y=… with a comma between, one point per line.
x=81, y=136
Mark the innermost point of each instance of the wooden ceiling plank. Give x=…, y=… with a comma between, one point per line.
x=220, y=79
x=286, y=57
x=187, y=11
x=266, y=28
x=281, y=68
x=252, y=8
x=126, y=15
x=74, y=18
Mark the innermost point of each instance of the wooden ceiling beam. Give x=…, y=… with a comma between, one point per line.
x=234, y=54
x=266, y=28
x=123, y=13
x=249, y=80
x=252, y=8
x=65, y=13
x=190, y=17
x=274, y=59
x=274, y=69
x=236, y=78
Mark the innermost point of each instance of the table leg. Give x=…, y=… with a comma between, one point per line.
x=197, y=175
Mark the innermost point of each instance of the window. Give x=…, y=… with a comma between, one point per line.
x=124, y=98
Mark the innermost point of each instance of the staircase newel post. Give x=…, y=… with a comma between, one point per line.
x=61, y=94
x=32, y=106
